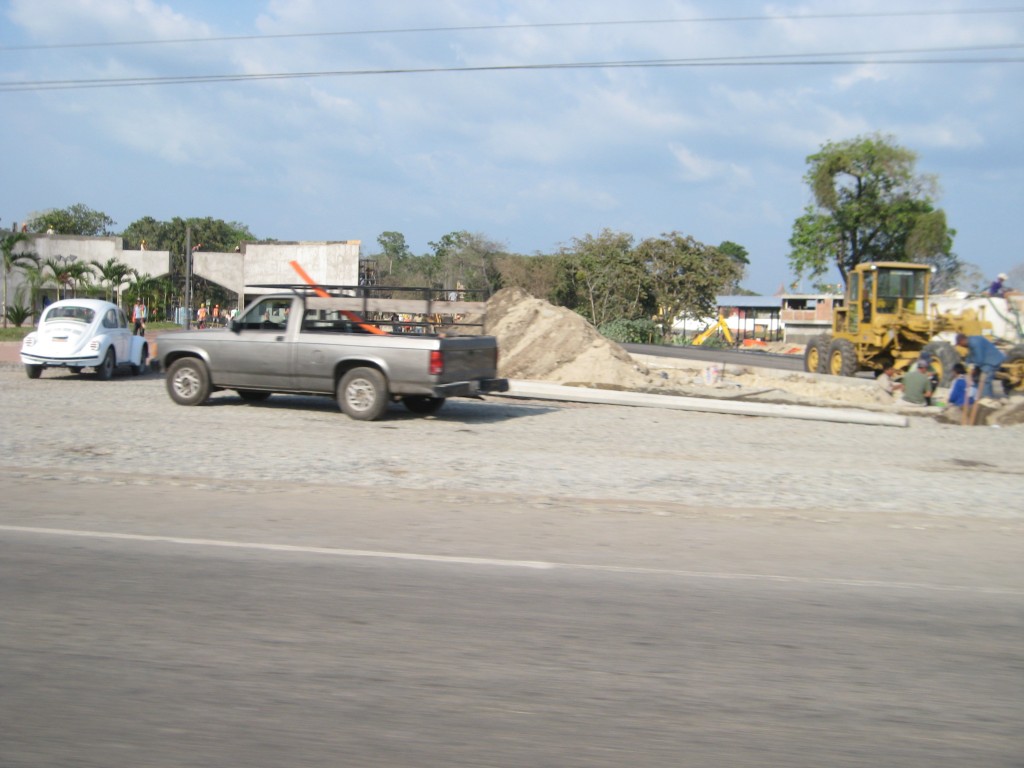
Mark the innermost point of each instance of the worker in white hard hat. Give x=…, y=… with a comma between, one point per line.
x=998, y=287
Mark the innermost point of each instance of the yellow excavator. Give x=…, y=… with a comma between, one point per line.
x=708, y=332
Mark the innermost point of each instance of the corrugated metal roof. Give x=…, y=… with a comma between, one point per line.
x=753, y=302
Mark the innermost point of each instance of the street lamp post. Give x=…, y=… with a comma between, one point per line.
x=63, y=260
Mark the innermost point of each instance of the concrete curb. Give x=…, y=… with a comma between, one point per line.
x=537, y=390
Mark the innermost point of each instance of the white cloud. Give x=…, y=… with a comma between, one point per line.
x=542, y=154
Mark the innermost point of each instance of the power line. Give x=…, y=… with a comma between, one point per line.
x=500, y=27
x=769, y=60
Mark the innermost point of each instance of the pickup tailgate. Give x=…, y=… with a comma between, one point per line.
x=468, y=358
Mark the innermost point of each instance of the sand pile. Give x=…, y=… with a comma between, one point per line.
x=542, y=342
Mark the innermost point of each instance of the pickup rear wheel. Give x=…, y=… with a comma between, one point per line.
x=188, y=381
x=422, y=404
x=363, y=394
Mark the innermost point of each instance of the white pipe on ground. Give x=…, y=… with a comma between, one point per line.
x=539, y=390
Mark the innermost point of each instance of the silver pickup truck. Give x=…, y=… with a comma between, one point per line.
x=302, y=343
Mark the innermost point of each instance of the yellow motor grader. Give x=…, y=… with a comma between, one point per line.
x=887, y=321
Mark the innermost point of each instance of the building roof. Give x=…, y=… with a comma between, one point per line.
x=749, y=302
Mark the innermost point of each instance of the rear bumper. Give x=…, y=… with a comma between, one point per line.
x=61, y=362
x=470, y=388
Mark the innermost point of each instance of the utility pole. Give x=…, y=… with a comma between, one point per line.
x=188, y=277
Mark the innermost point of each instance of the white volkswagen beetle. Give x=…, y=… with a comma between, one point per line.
x=83, y=333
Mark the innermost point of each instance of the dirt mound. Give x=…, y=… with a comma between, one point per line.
x=542, y=342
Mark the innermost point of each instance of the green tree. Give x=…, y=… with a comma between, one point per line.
x=394, y=251
x=686, y=276
x=14, y=260
x=740, y=257
x=208, y=234
x=603, y=279
x=77, y=219
x=113, y=274
x=538, y=275
x=869, y=205
x=35, y=279
x=80, y=275
x=468, y=261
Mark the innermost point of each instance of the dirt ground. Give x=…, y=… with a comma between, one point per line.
x=541, y=342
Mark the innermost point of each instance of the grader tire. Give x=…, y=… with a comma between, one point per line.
x=1014, y=367
x=816, y=354
x=842, y=358
x=942, y=356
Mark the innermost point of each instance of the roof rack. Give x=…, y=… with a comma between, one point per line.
x=374, y=299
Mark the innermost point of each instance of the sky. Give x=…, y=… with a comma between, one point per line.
x=427, y=117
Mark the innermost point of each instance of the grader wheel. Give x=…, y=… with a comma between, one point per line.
x=942, y=356
x=842, y=358
x=816, y=354
x=1013, y=366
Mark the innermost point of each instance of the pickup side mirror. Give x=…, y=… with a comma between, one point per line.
x=235, y=325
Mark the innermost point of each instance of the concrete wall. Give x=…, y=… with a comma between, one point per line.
x=328, y=263
x=101, y=249
x=88, y=249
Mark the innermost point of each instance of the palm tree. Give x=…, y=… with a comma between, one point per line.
x=79, y=272
x=58, y=267
x=114, y=273
x=147, y=288
x=13, y=260
x=35, y=278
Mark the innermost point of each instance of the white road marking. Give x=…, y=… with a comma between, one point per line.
x=504, y=563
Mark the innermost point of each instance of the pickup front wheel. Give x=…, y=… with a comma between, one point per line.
x=188, y=382
x=363, y=394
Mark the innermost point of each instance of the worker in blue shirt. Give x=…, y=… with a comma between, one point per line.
x=983, y=354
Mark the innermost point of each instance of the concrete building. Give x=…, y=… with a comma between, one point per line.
x=254, y=264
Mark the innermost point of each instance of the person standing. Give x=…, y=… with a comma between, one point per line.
x=998, y=287
x=139, y=318
x=982, y=354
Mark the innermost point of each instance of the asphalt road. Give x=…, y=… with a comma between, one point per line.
x=217, y=644
x=728, y=356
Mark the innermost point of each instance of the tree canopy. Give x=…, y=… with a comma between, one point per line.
x=78, y=219
x=869, y=205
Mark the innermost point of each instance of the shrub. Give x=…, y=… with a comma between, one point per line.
x=18, y=314
x=631, y=331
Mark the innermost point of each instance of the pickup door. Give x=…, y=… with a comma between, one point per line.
x=259, y=357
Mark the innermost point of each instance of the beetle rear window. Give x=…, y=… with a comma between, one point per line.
x=80, y=314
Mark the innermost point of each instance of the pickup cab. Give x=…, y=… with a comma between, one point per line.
x=302, y=343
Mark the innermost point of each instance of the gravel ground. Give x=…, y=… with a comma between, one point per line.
x=627, y=459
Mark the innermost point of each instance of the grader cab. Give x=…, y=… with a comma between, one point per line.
x=887, y=321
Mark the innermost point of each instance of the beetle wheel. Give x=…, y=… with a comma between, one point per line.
x=105, y=370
